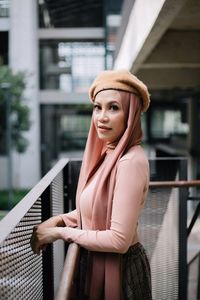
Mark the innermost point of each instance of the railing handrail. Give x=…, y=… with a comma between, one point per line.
x=177, y=183
x=70, y=264
x=14, y=216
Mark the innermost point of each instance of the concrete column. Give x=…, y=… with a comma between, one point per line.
x=194, y=122
x=23, y=56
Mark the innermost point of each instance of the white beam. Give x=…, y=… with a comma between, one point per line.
x=148, y=21
x=4, y=24
x=71, y=33
x=58, y=97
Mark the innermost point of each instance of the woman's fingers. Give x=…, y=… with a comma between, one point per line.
x=42, y=236
x=35, y=243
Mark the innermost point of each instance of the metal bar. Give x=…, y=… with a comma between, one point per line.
x=194, y=218
x=69, y=269
x=183, y=195
x=47, y=255
x=179, y=183
x=194, y=198
x=14, y=216
x=71, y=34
x=66, y=188
x=193, y=259
x=74, y=167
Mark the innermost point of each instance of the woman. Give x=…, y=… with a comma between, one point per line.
x=112, y=188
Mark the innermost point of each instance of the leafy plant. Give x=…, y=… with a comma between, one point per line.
x=17, y=196
x=11, y=89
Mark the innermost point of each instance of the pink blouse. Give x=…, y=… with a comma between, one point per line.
x=130, y=191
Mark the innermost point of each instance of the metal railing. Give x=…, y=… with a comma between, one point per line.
x=180, y=291
x=24, y=275
x=163, y=223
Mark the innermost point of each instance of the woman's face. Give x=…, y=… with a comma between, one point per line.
x=109, y=116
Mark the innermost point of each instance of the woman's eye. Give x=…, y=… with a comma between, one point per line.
x=96, y=107
x=114, y=107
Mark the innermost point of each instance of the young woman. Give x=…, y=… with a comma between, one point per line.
x=111, y=192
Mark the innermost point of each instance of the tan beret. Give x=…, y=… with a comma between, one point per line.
x=120, y=80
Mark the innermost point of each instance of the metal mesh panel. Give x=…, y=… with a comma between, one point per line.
x=20, y=270
x=159, y=231
x=57, y=208
x=152, y=217
x=159, y=234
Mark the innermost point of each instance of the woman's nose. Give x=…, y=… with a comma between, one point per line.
x=103, y=117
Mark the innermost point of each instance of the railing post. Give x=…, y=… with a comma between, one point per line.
x=47, y=255
x=183, y=195
x=66, y=188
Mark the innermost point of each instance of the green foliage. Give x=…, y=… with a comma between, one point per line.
x=20, y=113
x=17, y=196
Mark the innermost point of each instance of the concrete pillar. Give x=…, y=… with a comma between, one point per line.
x=23, y=56
x=194, y=122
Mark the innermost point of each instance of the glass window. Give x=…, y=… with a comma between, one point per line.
x=70, y=66
x=168, y=122
x=4, y=8
x=74, y=131
x=3, y=48
x=68, y=14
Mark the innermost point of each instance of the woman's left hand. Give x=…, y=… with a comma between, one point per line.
x=42, y=236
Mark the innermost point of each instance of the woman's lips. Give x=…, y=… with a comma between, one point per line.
x=104, y=128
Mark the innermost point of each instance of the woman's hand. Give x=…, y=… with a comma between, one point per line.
x=43, y=235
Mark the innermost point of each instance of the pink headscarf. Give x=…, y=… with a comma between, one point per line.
x=105, y=267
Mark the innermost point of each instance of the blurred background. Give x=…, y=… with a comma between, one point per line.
x=50, y=52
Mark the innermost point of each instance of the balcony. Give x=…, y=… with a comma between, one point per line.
x=163, y=230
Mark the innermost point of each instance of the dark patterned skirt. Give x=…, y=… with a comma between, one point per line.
x=136, y=280
x=136, y=275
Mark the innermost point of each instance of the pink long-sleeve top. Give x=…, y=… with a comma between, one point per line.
x=130, y=191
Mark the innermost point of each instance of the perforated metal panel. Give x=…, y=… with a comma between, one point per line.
x=159, y=234
x=20, y=269
x=159, y=231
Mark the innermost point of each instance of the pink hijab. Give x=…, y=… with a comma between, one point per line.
x=105, y=267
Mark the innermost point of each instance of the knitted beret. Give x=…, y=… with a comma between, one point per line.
x=121, y=80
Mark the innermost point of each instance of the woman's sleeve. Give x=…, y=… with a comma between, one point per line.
x=70, y=219
x=131, y=183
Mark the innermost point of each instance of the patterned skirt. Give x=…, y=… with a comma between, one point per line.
x=136, y=280
x=136, y=275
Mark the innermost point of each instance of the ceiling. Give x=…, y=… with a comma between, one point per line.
x=174, y=61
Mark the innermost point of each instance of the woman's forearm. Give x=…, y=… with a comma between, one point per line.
x=55, y=221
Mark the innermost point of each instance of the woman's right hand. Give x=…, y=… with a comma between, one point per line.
x=35, y=242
